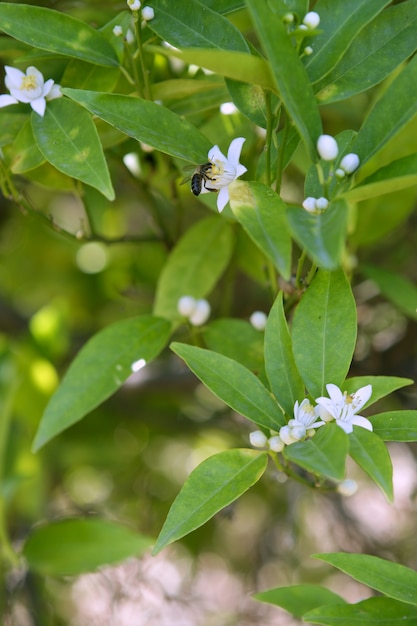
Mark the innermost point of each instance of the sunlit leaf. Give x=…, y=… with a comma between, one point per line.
x=396, y=425
x=397, y=175
x=371, y=454
x=381, y=385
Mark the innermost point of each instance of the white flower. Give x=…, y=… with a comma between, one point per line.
x=322, y=204
x=258, y=439
x=327, y=147
x=310, y=204
x=343, y=407
x=350, y=163
x=224, y=170
x=201, y=313
x=29, y=88
x=275, y=443
x=186, y=305
x=148, y=13
x=305, y=416
x=311, y=20
x=134, y=5
x=258, y=320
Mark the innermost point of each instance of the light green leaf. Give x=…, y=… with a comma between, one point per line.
x=398, y=175
x=399, y=290
x=374, y=53
x=56, y=32
x=262, y=214
x=195, y=264
x=340, y=21
x=396, y=425
x=324, y=454
x=289, y=72
x=323, y=236
x=381, y=385
x=72, y=546
x=101, y=366
x=234, y=384
x=392, y=579
x=371, y=454
x=147, y=122
x=298, y=599
x=189, y=24
x=322, y=352
x=25, y=154
x=371, y=612
x=238, y=340
x=283, y=376
x=395, y=108
x=67, y=138
x=215, y=483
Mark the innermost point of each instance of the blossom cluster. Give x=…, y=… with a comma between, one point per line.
x=196, y=311
x=340, y=407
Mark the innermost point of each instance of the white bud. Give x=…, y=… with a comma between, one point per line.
x=339, y=173
x=309, y=204
x=148, y=13
x=298, y=432
x=327, y=147
x=258, y=320
x=201, y=313
x=302, y=27
x=308, y=50
x=275, y=443
x=322, y=204
x=258, y=439
x=186, y=305
x=350, y=163
x=288, y=18
x=130, y=37
x=286, y=435
x=117, y=30
x=134, y=5
x=347, y=487
x=311, y=20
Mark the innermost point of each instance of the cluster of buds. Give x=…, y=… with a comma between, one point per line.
x=196, y=311
x=147, y=12
x=309, y=23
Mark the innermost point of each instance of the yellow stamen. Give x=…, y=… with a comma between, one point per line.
x=28, y=83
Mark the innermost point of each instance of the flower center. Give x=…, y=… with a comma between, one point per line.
x=29, y=83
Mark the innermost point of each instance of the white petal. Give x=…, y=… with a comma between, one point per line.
x=222, y=198
x=13, y=78
x=240, y=169
x=33, y=71
x=47, y=87
x=215, y=154
x=235, y=148
x=361, y=397
x=39, y=106
x=358, y=420
x=335, y=393
x=5, y=100
x=346, y=426
x=54, y=93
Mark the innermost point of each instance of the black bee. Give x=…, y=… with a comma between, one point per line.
x=201, y=178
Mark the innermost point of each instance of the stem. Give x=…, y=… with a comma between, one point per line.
x=281, y=148
x=268, y=139
x=145, y=74
x=300, y=265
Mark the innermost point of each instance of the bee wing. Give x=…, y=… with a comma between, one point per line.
x=188, y=168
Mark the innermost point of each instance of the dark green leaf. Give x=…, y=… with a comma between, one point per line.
x=371, y=454
x=101, y=367
x=234, y=384
x=371, y=612
x=396, y=425
x=401, y=291
x=215, y=483
x=298, y=599
x=238, y=340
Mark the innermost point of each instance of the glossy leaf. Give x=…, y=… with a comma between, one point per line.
x=195, y=265
x=371, y=612
x=56, y=32
x=72, y=546
x=322, y=353
x=324, y=454
x=238, y=340
x=392, y=579
x=234, y=384
x=67, y=138
x=398, y=289
x=340, y=21
x=371, y=454
x=215, y=483
x=396, y=425
x=289, y=72
x=101, y=366
x=25, y=154
x=147, y=122
x=374, y=53
x=224, y=6
x=322, y=236
x=298, y=599
x=188, y=24
x=395, y=108
x=262, y=214
x=398, y=175
x=282, y=372
x=381, y=385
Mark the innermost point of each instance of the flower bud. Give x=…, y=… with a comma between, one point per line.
x=148, y=13
x=327, y=147
x=201, y=313
x=258, y=320
x=311, y=20
x=309, y=204
x=134, y=5
x=286, y=435
x=322, y=204
x=298, y=432
x=288, y=18
x=347, y=487
x=275, y=443
x=117, y=30
x=350, y=163
x=258, y=439
x=308, y=50
x=339, y=173
x=186, y=305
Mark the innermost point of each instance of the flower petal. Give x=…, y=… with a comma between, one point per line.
x=5, y=100
x=222, y=198
x=358, y=420
x=47, y=87
x=346, y=426
x=39, y=106
x=235, y=148
x=13, y=78
x=54, y=93
x=335, y=393
x=361, y=397
x=33, y=71
x=215, y=154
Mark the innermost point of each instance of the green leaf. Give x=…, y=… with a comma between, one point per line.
x=322, y=352
x=238, y=340
x=395, y=108
x=374, y=53
x=371, y=454
x=371, y=612
x=25, y=154
x=393, y=177
x=323, y=236
x=56, y=32
x=72, y=546
x=381, y=385
x=392, y=579
x=189, y=24
x=195, y=264
x=282, y=372
x=340, y=21
x=223, y=6
x=147, y=122
x=234, y=384
x=67, y=138
x=249, y=99
x=289, y=72
x=396, y=425
x=84, y=75
x=324, y=454
x=262, y=214
x=101, y=366
x=298, y=599
x=215, y=483
x=399, y=290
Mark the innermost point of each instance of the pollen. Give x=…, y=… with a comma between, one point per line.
x=29, y=82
